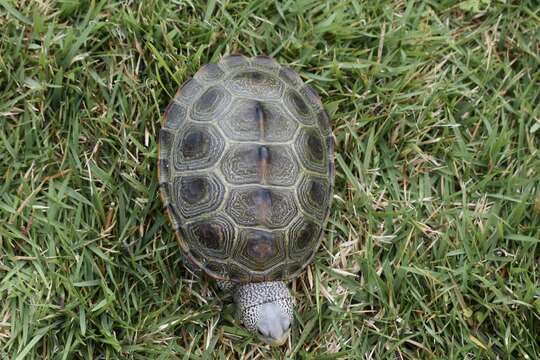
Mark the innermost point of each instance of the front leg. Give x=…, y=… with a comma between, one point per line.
x=225, y=286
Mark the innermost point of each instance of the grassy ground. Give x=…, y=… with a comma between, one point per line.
x=432, y=251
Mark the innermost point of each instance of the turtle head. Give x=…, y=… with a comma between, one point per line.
x=265, y=308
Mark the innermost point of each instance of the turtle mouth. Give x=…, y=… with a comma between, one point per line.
x=275, y=342
x=272, y=341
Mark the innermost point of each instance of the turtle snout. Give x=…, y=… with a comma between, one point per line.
x=274, y=324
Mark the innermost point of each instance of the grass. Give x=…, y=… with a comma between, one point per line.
x=432, y=250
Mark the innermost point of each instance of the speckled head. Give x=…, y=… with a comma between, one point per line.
x=265, y=308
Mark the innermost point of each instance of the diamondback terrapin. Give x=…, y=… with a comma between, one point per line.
x=246, y=174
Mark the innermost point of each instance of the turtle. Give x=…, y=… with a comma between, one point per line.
x=246, y=175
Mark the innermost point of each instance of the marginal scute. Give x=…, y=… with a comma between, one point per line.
x=238, y=273
x=217, y=268
x=197, y=194
x=165, y=192
x=295, y=267
x=209, y=73
x=290, y=77
x=276, y=273
x=312, y=97
x=164, y=171
x=234, y=61
x=166, y=139
x=265, y=62
x=331, y=163
x=324, y=122
x=188, y=92
x=175, y=116
x=330, y=144
x=173, y=214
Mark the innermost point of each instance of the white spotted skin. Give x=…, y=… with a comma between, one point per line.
x=266, y=309
x=225, y=285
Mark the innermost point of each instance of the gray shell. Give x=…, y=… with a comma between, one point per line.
x=246, y=169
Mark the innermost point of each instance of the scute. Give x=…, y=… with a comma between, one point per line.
x=256, y=84
x=243, y=122
x=209, y=73
x=311, y=95
x=255, y=164
x=213, y=237
x=258, y=206
x=197, y=194
x=303, y=234
x=197, y=147
x=234, y=61
x=188, y=92
x=313, y=194
x=246, y=169
x=260, y=250
x=176, y=116
x=299, y=107
x=266, y=63
x=290, y=77
x=311, y=149
x=166, y=139
x=324, y=122
x=210, y=104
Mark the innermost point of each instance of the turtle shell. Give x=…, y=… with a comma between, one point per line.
x=246, y=169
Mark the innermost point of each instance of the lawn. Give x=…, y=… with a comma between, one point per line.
x=433, y=244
